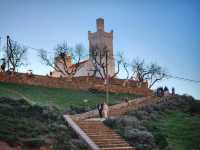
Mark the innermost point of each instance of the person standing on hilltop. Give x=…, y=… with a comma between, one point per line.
x=166, y=91
x=173, y=91
x=105, y=110
x=3, y=66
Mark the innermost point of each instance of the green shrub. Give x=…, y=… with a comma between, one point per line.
x=194, y=107
x=33, y=125
x=159, y=137
x=137, y=128
x=133, y=131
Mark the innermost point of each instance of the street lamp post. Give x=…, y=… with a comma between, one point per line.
x=107, y=80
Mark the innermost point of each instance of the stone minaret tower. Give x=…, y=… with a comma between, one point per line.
x=100, y=41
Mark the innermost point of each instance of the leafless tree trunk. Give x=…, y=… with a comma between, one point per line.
x=152, y=73
x=15, y=55
x=99, y=59
x=61, y=56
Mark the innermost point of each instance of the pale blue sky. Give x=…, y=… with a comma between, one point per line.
x=166, y=32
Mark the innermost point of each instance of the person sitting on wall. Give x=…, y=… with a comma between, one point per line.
x=126, y=101
x=166, y=91
x=160, y=92
x=29, y=73
x=3, y=67
x=51, y=73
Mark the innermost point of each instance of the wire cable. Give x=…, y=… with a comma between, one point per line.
x=38, y=50
x=185, y=79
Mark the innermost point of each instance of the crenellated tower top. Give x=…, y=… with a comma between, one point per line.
x=100, y=41
x=100, y=24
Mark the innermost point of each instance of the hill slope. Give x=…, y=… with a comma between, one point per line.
x=29, y=126
x=62, y=98
x=170, y=125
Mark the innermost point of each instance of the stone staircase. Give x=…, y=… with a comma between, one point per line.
x=97, y=135
x=120, y=109
x=104, y=137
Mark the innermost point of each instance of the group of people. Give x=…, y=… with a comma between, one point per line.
x=103, y=110
x=164, y=91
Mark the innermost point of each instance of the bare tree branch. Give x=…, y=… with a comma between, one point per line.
x=66, y=59
x=152, y=73
x=99, y=62
x=15, y=55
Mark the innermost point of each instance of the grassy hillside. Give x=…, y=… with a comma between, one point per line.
x=62, y=98
x=32, y=126
x=182, y=130
x=169, y=125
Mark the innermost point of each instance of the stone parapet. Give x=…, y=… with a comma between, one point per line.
x=78, y=83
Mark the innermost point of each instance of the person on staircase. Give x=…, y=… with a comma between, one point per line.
x=105, y=110
x=100, y=109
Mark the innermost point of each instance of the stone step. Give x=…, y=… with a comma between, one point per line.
x=94, y=127
x=100, y=130
x=103, y=136
x=117, y=147
x=113, y=145
x=97, y=131
x=109, y=142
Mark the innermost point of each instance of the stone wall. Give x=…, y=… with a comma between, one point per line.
x=78, y=83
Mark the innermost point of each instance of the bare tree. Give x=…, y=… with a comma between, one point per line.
x=66, y=60
x=15, y=55
x=124, y=63
x=100, y=60
x=157, y=73
x=152, y=73
x=139, y=70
